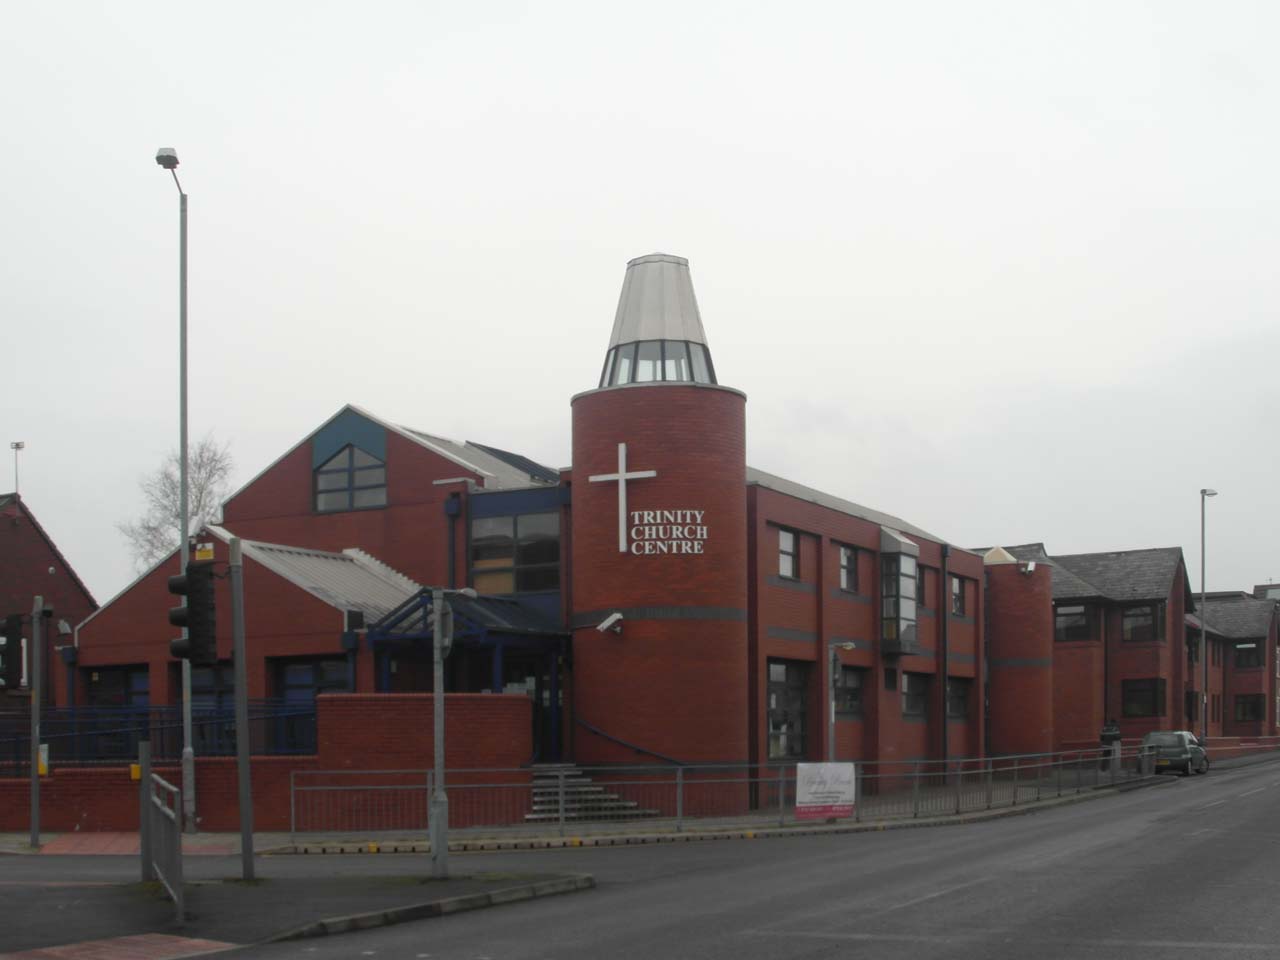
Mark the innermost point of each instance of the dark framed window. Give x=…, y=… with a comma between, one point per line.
x=915, y=694
x=898, y=579
x=1142, y=624
x=1143, y=698
x=128, y=686
x=849, y=569
x=648, y=361
x=350, y=480
x=1192, y=706
x=299, y=679
x=957, y=596
x=788, y=715
x=850, y=682
x=891, y=679
x=516, y=554
x=921, y=585
x=213, y=689
x=1248, y=655
x=958, y=689
x=788, y=554
x=1250, y=707
x=1215, y=707
x=1193, y=651
x=1071, y=623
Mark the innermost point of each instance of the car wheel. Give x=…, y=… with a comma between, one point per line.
x=1204, y=765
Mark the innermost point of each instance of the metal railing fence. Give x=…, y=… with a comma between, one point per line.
x=164, y=809
x=110, y=735
x=560, y=799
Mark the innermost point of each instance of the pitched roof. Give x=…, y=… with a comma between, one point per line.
x=1238, y=618
x=792, y=489
x=15, y=499
x=351, y=580
x=506, y=615
x=1127, y=574
x=531, y=468
x=1122, y=575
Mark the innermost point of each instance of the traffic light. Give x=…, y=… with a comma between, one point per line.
x=198, y=616
x=11, y=675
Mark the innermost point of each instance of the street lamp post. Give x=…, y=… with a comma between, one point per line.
x=15, y=446
x=167, y=157
x=1204, y=642
x=438, y=814
x=835, y=676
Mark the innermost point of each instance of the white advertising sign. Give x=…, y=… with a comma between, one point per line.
x=825, y=791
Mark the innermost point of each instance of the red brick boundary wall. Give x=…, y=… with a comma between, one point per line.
x=354, y=732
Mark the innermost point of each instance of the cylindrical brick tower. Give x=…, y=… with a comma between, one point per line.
x=1019, y=654
x=659, y=538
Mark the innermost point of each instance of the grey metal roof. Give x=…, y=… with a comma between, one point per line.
x=657, y=302
x=1239, y=618
x=500, y=473
x=533, y=469
x=801, y=492
x=351, y=580
x=506, y=615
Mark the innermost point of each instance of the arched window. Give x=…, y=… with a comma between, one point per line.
x=350, y=480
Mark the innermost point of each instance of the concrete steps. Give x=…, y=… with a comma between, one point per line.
x=584, y=800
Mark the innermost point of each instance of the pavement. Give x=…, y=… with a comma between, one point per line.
x=83, y=901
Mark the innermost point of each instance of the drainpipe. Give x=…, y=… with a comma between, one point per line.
x=944, y=614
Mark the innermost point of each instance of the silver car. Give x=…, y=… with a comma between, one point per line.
x=1179, y=750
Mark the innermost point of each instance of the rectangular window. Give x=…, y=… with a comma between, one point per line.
x=849, y=569
x=788, y=555
x=1192, y=708
x=915, y=694
x=1142, y=624
x=958, y=697
x=957, y=596
x=787, y=716
x=1143, y=698
x=1250, y=707
x=891, y=679
x=1215, y=651
x=898, y=578
x=519, y=554
x=1071, y=623
x=848, y=694
x=921, y=584
x=1248, y=655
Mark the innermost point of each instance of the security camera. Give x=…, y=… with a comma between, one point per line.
x=612, y=622
x=1029, y=567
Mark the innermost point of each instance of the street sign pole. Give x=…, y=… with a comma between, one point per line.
x=37, y=613
x=242, y=711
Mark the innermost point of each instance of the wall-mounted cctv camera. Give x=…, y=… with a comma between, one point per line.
x=1029, y=567
x=612, y=622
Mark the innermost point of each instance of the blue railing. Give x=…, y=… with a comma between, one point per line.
x=110, y=735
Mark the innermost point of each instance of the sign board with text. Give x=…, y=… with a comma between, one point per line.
x=825, y=791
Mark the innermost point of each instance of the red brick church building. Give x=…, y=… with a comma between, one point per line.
x=745, y=616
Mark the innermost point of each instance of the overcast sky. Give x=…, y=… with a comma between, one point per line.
x=1008, y=271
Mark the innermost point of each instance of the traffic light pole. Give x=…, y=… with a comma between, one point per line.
x=34, y=679
x=242, y=710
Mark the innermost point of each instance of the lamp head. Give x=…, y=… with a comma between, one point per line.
x=1206, y=492
x=167, y=157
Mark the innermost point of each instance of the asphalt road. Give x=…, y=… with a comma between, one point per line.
x=1190, y=868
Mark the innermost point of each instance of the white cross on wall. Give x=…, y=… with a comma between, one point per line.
x=622, y=476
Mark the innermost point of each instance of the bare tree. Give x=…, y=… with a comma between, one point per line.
x=155, y=534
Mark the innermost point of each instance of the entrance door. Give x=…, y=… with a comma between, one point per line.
x=788, y=717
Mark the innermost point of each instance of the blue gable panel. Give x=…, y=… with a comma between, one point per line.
x=510, y=502
x=348, y=427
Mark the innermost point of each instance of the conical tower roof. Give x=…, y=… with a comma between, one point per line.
x=657, y=332
x=657, y=302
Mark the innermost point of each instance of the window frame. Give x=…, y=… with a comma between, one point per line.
x=848, y=568
x=850, y=697
x=516, y=567
x=793, y=554
x=1154, y=611
x=1064, y=635
x=1134, y=689
x=959, y=691
x=350, y=470
x=1241, y=700
x=957, y=596
x=1254, y=662
x=915, y=696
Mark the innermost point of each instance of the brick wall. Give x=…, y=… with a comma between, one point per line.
x=355, y=732
x=1021, y=658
